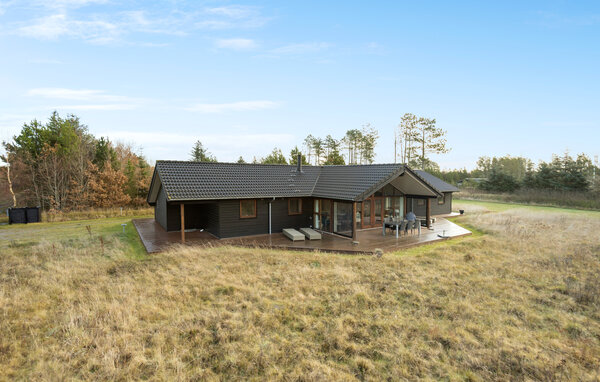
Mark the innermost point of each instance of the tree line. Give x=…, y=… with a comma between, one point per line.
x=59, y=165
x=357, y=146
x=508, y=174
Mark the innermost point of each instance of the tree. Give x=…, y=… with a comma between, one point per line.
x=241, y=160
x=318, y=149
x=308, y=144
x=499, y=182
x=275, y=157
x=368, y=140
x=8, y=179
x=430, y=139
x=294, y=156
x=107, y=187
x=52, y=165
x=352, y=141
x=407, y=137
x=200, y=154
x=332, y=152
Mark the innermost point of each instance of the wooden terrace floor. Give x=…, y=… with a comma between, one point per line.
x=156, y=239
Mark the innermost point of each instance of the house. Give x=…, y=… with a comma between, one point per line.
x=231, y=199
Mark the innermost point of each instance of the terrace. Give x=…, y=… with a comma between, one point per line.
x=156, y=239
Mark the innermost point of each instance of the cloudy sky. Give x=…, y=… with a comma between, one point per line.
x=519, y=78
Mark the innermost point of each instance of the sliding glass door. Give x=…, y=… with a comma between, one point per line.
x=342, y=218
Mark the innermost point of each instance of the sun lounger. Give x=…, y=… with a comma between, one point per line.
x=310, y=234
x=292, y=234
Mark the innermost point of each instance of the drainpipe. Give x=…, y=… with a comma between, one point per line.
x=270, y=201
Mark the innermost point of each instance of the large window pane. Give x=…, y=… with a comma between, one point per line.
x=342, y=218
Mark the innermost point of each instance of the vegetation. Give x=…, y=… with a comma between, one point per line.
x=60, y=166
x=359, y=145
x=417, y=137
x=515, y=302
x=200, y=154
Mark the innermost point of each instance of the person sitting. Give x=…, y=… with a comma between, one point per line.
x=411, y=217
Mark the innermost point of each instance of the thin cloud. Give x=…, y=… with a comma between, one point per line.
x=231, y=17
x=92, y=99
x=216, y=108
x=302, y=48
x=236, y=44
x=60, y=25
x=63, y=19
x=233, y=11
x=96, y=107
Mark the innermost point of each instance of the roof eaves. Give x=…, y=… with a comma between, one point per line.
x=380, y=184
x=438, y=192
x=151, y=185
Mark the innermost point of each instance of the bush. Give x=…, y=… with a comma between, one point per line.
x=499, y=182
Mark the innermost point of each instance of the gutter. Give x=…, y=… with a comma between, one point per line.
x=270, y=201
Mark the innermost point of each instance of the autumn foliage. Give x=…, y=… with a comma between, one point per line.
x=60, y=166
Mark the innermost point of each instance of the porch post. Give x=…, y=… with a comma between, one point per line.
x=354, y=234
x=428, y=213
x=182, y=223
x=405, y=206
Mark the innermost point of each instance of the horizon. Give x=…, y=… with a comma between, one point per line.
x=502, y=79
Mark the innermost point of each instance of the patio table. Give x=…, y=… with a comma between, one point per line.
x=392, y=224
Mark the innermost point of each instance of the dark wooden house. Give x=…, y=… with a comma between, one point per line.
x=230, y=199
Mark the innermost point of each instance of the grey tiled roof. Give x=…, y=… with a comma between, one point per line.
x=436, y=182
x=183, y=180
x=350, y=182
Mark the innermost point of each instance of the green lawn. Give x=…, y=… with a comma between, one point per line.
x=26, y=235
x=500, y=207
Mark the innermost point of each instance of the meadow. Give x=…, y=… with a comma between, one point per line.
x=518, y=300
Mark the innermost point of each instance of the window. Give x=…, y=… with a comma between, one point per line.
x=247, y=208
x=294, y=206
x=442, y=199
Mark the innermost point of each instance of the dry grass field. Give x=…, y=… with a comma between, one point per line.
x=518, y=300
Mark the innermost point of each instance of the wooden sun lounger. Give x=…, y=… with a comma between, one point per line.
x=292, y=234
x=310, y=234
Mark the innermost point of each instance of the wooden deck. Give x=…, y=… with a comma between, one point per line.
x=156, y=239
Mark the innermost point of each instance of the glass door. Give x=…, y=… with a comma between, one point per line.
x=326, y=215
x=377, y=210
x=316, y=216
x=366, y=216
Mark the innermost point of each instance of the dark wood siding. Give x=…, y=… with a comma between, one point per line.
x=436, y=209
x=231, y=225
x=160, y=209
x=173, y=217
x=280, y=218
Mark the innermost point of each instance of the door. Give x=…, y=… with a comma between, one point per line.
x=377, y=211
x=372, y=212
x=366, y=216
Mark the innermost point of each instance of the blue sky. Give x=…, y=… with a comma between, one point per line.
x=519, y=78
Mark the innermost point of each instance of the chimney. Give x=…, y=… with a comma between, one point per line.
x=299, y=168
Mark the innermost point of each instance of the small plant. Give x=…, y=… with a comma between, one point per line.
x=89, y=229
x=102, y=245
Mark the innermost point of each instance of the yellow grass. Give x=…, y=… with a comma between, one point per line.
x=520, y=302
x=94, y=213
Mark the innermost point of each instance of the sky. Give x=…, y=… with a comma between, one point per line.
x=511, y=77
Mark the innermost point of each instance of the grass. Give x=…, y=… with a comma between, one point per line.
x=517, y=301
x=549, y=198
x=64, y=233
x=495, y=206
x=94, y=213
